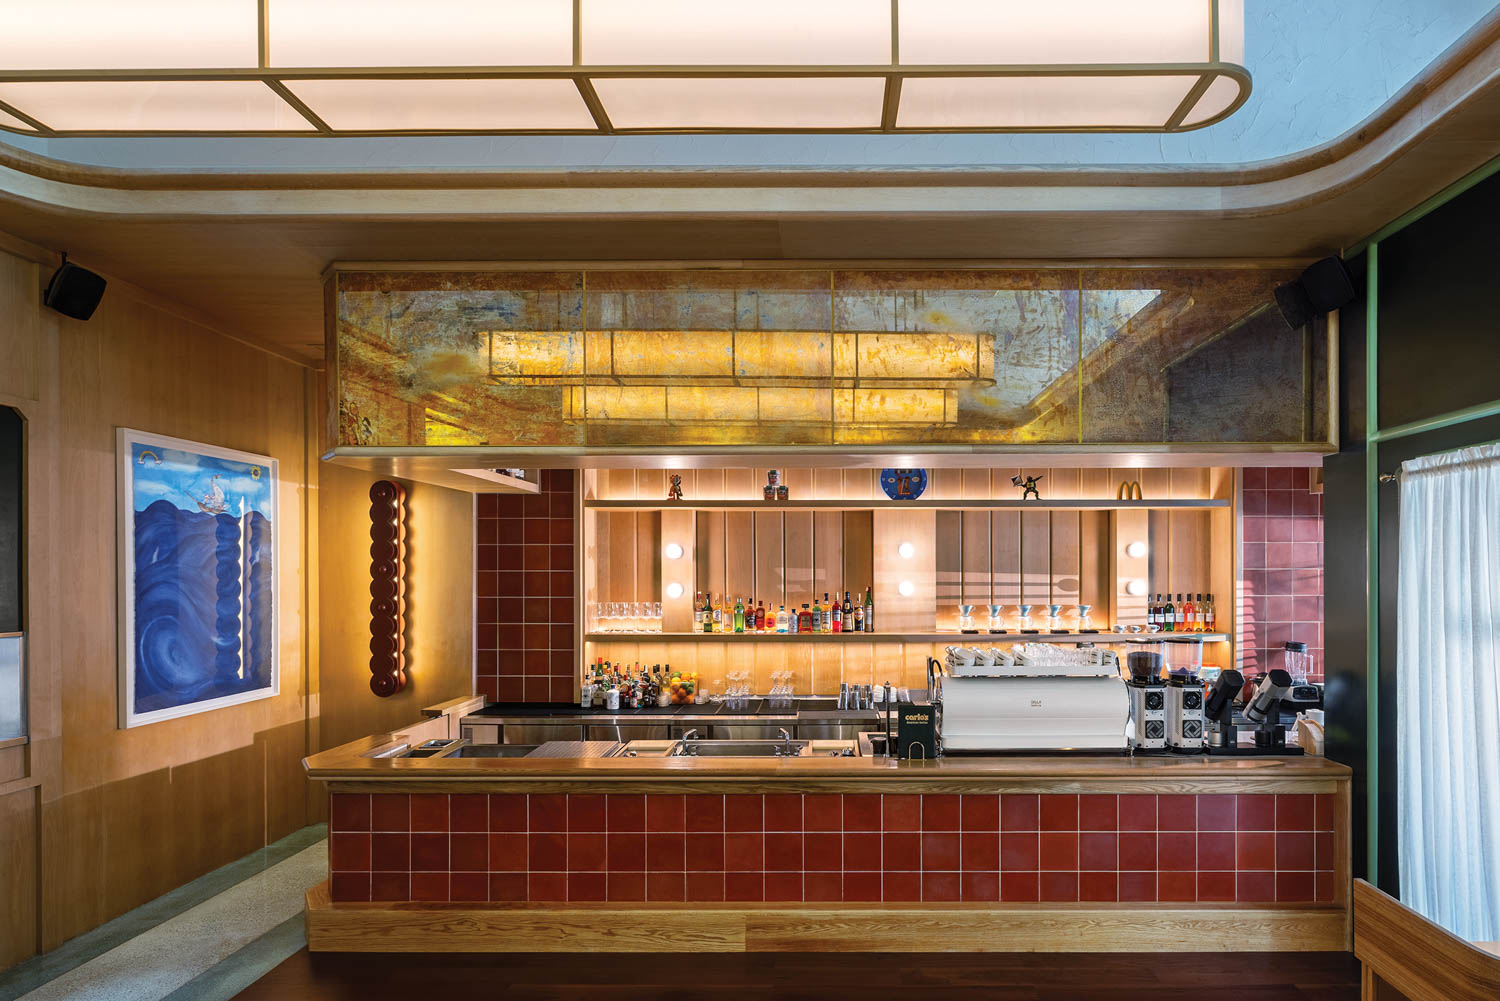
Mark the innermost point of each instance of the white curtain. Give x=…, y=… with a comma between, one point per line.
x=1448, y=690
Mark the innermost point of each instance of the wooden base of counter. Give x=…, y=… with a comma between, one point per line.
x=585, y=928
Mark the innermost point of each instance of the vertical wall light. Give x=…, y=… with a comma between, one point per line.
x=387, y=588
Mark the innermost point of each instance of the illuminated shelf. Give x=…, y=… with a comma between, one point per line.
x=913, y=505
x=964, y=639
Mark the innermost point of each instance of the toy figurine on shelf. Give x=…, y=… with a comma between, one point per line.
x=772, y=478
x=1028, y=487
x=674, y=492
x=1129, y=490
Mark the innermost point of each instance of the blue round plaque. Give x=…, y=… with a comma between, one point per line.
x=903, y=484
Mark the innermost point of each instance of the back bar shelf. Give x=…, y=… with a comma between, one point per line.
x=959, y=639
x=772, y=507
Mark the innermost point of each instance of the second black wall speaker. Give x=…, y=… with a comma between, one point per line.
x=74, y=291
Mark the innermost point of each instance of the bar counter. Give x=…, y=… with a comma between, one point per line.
x=1071, y=853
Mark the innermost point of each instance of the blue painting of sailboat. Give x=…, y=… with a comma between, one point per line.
x=199, y=617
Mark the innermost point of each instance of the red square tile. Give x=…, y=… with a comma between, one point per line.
x=1215, y=887
x=510, y=690
x=1255, y=812
x=429, y=886
x=1099, y=851
x=940, y=812
x=468, y=812
x=1176, y=886
x=940, y=887
x=429, y=853
x=1296, y=812
x=940, y=852
x=704, y=886
x=980, y=851
x=1019, y=887
x=1323, y=851
x=1098, y=886
x=390, y=852
x=508, y=887
x=1295, y=887
x=705, y=814
x=351, y=886
x=903, y=851
x=585, y=813
x=469, y=886
x=981, y=887
x=625, y=852
x=665, y=886
x=822, y=812
x=1294, y=850
x=348, y=852
x=547, y=852
x=1022, y=852
x=1254, y=478
x=1255, y=850
x=704, y=852
x=1137, y=812
x=587, y=886
x=1098, y=812
x=901, y=886
x=745, y=886
x=349, y=812
x=586, y=853
x=1059, y=886
x=429, y=812
x=624, y=812
x=1323, y=887
x=861, y=887
x=1059, y=812
x=783, y=886
x=821, y=852
x=665, y=814
x=1216, y=850
x=820, y=886
x=1255, y=887
x=744, y=852
x=861, y=812
x=507, y=812
x=507, y=852
x=783, y=812
x=784, y=851
x=1216, y=813
x=1177, y=813
x=744, y=813
x=625, y=886
x=665, y=855
x=1323, y=808
x=980, y=812
x=1138, y=851
x=862, y=851
x=547, y=812
x=1019, y=812
x=1137, y=887
x=1059, y=851
x=901, y=813
x=390, y=886
x=1176, y=852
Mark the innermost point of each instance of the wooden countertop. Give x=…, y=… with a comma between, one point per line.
x=346, y=768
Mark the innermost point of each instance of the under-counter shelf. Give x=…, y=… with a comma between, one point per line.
x=968, y=639
x=911, y=505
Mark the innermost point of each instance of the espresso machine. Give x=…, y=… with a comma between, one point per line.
x=1148, y=701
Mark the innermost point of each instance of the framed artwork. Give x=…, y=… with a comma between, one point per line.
x=197, y=577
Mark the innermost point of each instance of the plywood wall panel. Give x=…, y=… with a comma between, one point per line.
x=1036, y=560
x=797, y=571
x=768, y=579
x=828, y=547
x=895, y=612
x=739, y=554
x=859, y=541
x=18, y=848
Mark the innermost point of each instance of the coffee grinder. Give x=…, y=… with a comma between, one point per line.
x=1221, y=736
x=1184, y=713
x=1264, y=710
x=1148, y=701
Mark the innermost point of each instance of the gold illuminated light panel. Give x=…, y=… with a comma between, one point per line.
x=394, y=67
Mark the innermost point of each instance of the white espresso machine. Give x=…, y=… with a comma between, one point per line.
x=1033, y=697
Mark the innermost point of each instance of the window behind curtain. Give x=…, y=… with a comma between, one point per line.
x=12, y=684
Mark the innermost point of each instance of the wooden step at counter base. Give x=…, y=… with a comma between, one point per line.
x=811, y=927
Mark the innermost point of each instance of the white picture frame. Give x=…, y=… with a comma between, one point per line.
x=206, y=637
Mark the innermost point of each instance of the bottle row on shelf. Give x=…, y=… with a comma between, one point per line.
x=712, y=615
x=1190, y=613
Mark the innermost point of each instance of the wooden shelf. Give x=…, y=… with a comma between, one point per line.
x=914, y=505
x=964, y=639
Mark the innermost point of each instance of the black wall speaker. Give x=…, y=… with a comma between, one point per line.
x=74, y=291
x=1324, y=286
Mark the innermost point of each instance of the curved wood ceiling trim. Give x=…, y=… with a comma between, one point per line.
x=1476, y=48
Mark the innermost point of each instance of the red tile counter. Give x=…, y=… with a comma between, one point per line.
x=863, y=847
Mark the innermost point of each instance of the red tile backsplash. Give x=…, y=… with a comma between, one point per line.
x=524, y=636
x=1281, y=585
x=1011, y=847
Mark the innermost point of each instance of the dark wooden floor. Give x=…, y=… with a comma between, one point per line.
x=669, y=975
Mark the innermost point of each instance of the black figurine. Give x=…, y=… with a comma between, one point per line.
x=1028, y=487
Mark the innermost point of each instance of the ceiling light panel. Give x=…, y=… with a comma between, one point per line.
x=481, y=105
x=1098, y=102
x=128, y=34
x=1219, y=96
x=12, y=122
x=716, y=33
x=154, y=106
x=435, y=33
x=1023, y=32
x=745, y=103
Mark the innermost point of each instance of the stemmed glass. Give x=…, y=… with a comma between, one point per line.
x=656, y=616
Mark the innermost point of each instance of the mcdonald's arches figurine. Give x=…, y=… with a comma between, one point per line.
x=1129, y=490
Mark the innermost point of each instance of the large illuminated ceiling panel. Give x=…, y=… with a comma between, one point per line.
x=393, y=67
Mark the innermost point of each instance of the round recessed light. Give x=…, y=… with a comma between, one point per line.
x=674, y=552
x=1136, y=550
x=1136, y=587
x=674, y=590
x=907, y=550
x=906, y=588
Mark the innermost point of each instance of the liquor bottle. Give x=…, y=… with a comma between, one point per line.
x=719, y=615
x=804, y=619
x=739, y=615
x=848, y=614
x=859, y=618
x=1180, y=622
x=697, y=611
x=1167, y=615
x=827, y=620
x=781, y=623
x=1153, y=612
x=838, y=617
x=1211, y=617
x=869, y=609
x=1189, y=615
x=760, y=617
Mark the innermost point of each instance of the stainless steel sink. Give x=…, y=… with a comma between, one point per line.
x=493, y=751
x=741, y=748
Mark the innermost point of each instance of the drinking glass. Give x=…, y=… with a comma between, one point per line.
x=656, y=616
